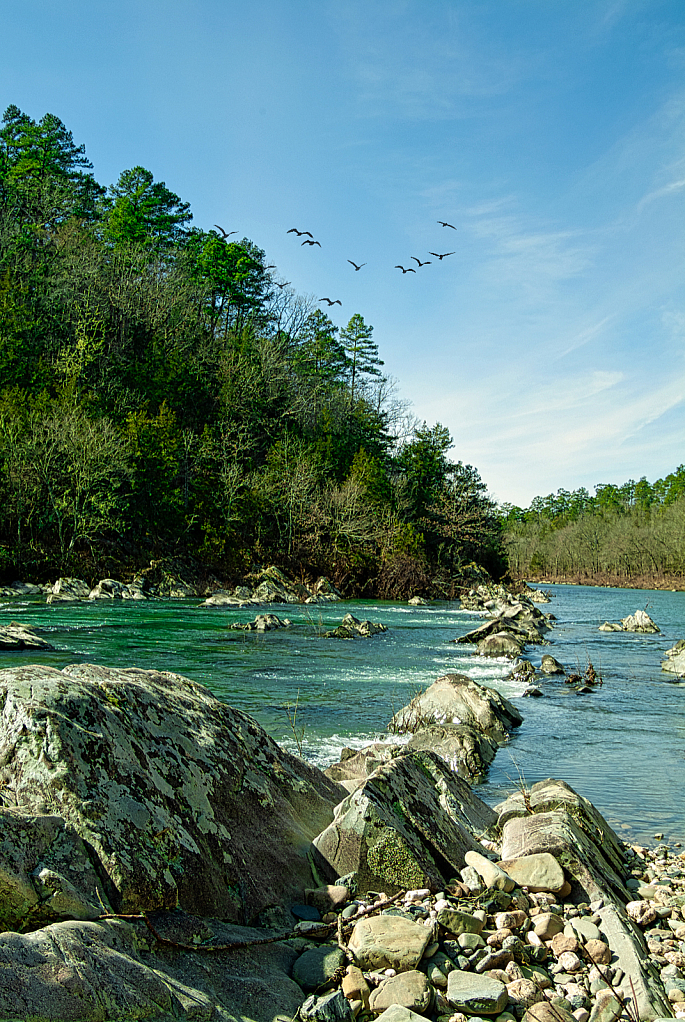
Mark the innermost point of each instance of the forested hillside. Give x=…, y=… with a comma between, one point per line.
x=622, y=534
x=164, y=392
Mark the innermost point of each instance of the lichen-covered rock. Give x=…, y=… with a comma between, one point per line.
x=263, y=623
x=352, y=628
x=14, y=636
x=457, y=699
x=409, y=815
x=465, y=749
x=184, y=800
x=46, y=873
x=89, y=971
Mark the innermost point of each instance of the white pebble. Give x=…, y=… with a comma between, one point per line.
x=389, y=972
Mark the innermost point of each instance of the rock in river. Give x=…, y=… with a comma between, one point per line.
x=17, y=636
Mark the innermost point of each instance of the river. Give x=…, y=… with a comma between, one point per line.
x=623, y=746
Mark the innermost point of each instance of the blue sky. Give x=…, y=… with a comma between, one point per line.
x=551, y=133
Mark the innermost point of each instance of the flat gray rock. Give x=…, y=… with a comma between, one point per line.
x=409, y=989
x=475, y=994
x=540, y=872
x=389, y=942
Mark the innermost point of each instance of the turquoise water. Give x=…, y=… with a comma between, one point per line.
x=622, y=746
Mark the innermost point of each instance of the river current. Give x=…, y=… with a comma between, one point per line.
x=623, y=746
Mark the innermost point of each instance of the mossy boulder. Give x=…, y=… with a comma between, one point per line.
x=407, y=826
x=182, y=800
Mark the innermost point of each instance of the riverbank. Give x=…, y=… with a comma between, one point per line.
x=672, y=583
x=226, y=878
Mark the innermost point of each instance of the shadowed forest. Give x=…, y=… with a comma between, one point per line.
x=164, y=393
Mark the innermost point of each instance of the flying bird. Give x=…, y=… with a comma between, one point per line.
x=226, y=234
x=444, y=254
x=355, y=265
x=305, y=242
x=427, y=262
x=336, y=302
x=294, y=230
x=284, y=285
x=443, y=224
x=409, y=269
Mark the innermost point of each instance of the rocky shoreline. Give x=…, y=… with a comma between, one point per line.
x=161, y=857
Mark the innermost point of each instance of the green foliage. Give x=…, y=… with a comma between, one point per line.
x=142, y=211
x=159, y=393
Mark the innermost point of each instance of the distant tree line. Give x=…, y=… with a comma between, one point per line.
x=162, y=392
x=623, y=532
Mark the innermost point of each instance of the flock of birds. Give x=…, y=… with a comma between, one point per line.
x=310, y=240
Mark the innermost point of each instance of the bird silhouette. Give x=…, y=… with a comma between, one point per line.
x=443, y=224
x=443, y=256
x=336, y=302
x=226, y=234
x=355, y=265
x=294, y=230
x=409, y=269
x=284, y=285
x=427, y=262
x=305, y=242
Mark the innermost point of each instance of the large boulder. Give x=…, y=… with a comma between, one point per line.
x=457, y=699
x=69, y=590
x=115, y=970
x=501, y=644
x=183, y=800
x=465, y=749
x=407, y=825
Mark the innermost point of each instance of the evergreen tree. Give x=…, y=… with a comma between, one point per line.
x=361, y=351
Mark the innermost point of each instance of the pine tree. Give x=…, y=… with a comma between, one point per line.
x=362, y=352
